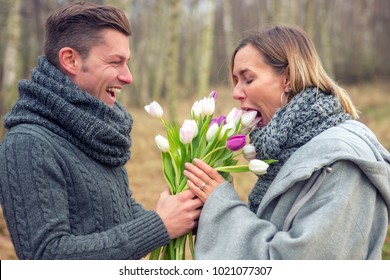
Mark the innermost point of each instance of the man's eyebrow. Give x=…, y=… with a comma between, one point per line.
x=121, y=57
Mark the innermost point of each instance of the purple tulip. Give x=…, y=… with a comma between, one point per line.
x=236, y=142
x=213, y=94
x=220, y=121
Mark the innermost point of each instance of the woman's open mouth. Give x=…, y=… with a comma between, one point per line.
x=258, y=116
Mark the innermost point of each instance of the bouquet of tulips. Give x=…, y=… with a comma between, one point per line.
x=213, y=140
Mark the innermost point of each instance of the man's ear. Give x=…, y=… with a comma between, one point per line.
x=69, y=60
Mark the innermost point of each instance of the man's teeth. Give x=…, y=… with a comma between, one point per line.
x=114, y=90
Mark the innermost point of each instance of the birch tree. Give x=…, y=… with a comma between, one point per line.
x=204, y=70
x=172, y=56
x=10, y=64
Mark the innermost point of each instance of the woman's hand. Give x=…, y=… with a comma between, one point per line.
x=202, y=178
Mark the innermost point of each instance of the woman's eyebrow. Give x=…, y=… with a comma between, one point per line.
x=241, y=72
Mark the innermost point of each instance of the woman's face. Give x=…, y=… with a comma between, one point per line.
x=257, y=86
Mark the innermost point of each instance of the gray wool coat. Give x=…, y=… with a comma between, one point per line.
x=331, y=200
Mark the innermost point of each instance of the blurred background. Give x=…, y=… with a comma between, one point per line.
x=181, y=51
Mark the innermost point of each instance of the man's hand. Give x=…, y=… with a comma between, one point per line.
x=180, y=213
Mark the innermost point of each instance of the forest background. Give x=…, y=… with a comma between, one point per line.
x=181, y=51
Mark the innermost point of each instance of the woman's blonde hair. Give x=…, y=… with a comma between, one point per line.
x=289, y=46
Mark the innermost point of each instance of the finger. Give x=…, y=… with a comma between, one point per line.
x=198, y=192
x=202, y=185
x=196, y=175
x=187, y=194
x=211, y=172
x=198, y=203
x=193, y=201
x=165, y=192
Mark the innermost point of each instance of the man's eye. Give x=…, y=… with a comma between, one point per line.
x=249, y=81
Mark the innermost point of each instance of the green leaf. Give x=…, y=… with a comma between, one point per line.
x=169, y=172
x=270, y=161
x=234, y=169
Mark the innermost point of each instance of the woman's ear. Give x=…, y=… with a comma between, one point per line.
x=69, y=60
x=287, y=81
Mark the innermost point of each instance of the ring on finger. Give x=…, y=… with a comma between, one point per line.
x=202, y=186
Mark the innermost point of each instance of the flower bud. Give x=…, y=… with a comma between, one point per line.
x=214, y=95
x=188, y=131
x=207, y=106
x=258, y=167
x=196, y=110
x=220, y=121
x=154, y=109
x=213, y=129
x=249, y=152
x=162, y=143
x=236, y=142
x=248, y=117
x=234, y=115
x=229, y=128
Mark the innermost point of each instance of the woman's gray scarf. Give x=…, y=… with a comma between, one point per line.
x=308, y=114
x=53, y=101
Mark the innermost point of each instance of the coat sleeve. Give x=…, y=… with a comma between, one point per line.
x=336, y=223
x=36, y=207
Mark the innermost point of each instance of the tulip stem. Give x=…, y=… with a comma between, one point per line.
x=211, y=152
x=162, y=120
x=233, y=168
x=236, y=155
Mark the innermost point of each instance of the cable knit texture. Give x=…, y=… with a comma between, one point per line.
x=53, y=101
x=63, y=185
x=308, y=114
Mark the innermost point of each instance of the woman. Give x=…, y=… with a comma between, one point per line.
x=328, y=197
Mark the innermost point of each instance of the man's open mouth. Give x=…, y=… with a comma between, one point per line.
x=112, y=91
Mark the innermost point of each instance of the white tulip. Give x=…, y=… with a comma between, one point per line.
x=208, y=106
x=234, y=115
x=188, y=131
x=249, y=152
x=213, y=129
x=196, y=110
x=154, y=109
x=229, y=127
x=248, y=117
x=162, y=143
x=258, y=167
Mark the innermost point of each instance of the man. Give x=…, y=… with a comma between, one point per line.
x=63, y=185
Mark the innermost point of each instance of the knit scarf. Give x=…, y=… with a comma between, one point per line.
x=308, y=114
x=53, y=101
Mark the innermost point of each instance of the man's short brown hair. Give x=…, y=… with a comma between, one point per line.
x=78, y=26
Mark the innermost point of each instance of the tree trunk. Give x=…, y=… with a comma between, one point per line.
x=325, y=32
x=8, y=91
x=228, y=28
x=204, y=69
x=172, y=57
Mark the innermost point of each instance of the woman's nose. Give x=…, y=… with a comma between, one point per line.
x=238, y=93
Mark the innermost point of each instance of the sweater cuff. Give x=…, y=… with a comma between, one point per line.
x=149, y=234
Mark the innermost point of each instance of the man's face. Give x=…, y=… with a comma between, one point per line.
x=104, y=72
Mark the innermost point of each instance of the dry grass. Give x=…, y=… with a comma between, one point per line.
x=144, y=168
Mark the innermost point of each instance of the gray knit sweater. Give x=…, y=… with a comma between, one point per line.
x=63, y=186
